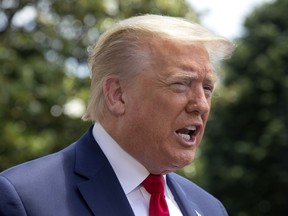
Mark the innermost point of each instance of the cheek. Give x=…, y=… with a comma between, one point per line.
x=150, y=125
x=154, y=113
x=206, y=115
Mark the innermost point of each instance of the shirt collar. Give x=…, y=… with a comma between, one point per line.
x=128, y=170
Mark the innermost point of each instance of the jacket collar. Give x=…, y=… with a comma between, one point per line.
x=187, y=206
x=101, y=190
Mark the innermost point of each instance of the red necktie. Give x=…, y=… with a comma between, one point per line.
x=154, y=184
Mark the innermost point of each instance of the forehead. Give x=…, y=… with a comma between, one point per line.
x=181, y=59
x=165, y=46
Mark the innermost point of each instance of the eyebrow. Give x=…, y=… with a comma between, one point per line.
x=212, y=77
x=191, y=74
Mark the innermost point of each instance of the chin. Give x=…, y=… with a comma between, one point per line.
x=183, y=161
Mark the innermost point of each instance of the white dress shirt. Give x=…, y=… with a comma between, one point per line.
x=131, y=174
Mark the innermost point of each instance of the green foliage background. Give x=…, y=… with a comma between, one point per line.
x=243, y=159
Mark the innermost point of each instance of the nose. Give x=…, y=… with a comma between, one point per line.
x=198, y=102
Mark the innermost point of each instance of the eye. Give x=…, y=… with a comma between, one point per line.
x=180, y=86
x=208, y=89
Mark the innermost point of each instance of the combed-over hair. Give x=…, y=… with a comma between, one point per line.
x=121, y=50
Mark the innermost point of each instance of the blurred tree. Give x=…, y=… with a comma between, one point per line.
x=246, y=147
x=44, y=78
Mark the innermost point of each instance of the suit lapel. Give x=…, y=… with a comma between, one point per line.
x=101, y=191
x=104, y=196
x=187, y=206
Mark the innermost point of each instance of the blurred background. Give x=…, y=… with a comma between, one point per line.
x=44, y=87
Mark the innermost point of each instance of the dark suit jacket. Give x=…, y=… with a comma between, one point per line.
x=79, y=181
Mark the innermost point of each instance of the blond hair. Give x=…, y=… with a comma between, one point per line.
x=121, y=50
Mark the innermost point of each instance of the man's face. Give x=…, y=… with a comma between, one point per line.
x=167, y=106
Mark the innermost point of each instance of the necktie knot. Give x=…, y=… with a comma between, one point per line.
x=154, y=184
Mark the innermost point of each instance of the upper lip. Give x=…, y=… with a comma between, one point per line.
x=197, y=125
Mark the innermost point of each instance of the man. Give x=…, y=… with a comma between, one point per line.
x=151, y=89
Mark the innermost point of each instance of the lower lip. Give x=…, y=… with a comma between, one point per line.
x=188, y=143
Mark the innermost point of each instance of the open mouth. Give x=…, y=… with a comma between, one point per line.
x=188, y=133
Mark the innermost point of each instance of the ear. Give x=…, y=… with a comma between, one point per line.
x=113, y=93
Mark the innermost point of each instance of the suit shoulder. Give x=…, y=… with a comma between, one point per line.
x=207, y=202
x=39, y=167
x=188, y=185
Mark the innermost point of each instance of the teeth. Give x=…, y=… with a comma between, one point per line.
x=185, y=136
x=191, y=128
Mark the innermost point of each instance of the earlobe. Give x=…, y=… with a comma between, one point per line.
x=113, y=95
